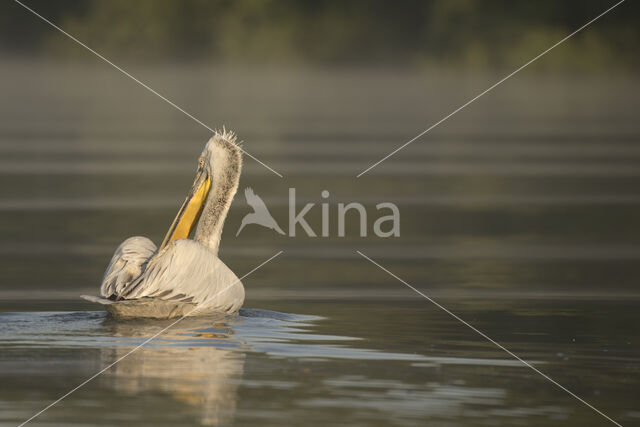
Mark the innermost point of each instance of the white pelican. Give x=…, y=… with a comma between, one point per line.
x=182, y=276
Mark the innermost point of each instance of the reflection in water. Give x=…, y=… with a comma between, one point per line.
x=267, y=368
x=199, y=363
x=189, y=366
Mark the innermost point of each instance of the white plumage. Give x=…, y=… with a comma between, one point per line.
x=183, y=276
x=126, y=265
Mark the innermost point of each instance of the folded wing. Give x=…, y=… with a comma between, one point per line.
x=127, y=264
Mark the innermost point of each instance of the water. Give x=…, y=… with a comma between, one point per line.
x=520, y=214
x=406, y=363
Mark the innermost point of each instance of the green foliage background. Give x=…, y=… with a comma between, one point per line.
x=489, y=33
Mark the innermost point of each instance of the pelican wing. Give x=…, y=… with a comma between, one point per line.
x=255, y=201
x=187, y=271
x=126, y=265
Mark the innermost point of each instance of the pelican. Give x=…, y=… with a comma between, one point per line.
x=183, y=276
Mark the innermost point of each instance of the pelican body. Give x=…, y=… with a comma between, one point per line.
x=183, y=276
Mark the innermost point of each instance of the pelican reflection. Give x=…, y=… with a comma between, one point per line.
x=186, y=363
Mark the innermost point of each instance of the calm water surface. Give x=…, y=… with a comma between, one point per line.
x=521, y=214
x=368, y=362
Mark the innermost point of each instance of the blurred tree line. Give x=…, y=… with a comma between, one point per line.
x=488, y=33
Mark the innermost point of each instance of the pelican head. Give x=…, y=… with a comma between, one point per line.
x=211, y=194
